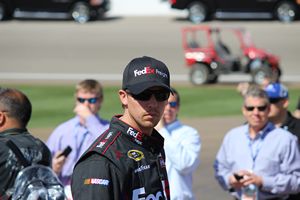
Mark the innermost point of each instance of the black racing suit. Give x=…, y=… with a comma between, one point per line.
x=122, y=164
x=33, y=149
x=292, y=124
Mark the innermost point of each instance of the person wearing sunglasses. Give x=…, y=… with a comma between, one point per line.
x=182, y=147
x=280, y=115
x=128, y=160
x=258, y=154
x=77, y=133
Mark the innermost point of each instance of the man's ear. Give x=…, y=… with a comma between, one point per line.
x=2, y=118
x=243, y=109
x=285, y=103
x=123, y=97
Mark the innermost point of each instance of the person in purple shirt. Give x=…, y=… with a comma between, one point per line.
x=78, y=132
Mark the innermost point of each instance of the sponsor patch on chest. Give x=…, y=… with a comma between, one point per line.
x=96, y=181
x=135, y=154
x=142, y=168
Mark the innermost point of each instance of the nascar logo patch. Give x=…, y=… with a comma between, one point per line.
x=96, y=181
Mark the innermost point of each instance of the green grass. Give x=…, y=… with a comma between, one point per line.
x=209, y=101
x=53, y=104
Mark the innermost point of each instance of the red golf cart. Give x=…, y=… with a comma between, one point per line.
x=211, y=51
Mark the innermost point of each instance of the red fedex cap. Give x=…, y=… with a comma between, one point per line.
x=145, y=72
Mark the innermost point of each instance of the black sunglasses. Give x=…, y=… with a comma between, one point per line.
x=274, y=100
x=260, y=108
x=146, y=95
x=173, y=104
x=90, y=100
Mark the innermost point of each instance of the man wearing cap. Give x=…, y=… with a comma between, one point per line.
x=128, y=161
x=279, y=114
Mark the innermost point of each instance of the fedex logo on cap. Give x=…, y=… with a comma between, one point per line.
x=149, y=70
x=146, y=70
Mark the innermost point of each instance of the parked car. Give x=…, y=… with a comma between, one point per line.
x=201, y=10
x=212, y=51
x=80, y=10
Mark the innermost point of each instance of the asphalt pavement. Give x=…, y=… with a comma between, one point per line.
x=64, y=50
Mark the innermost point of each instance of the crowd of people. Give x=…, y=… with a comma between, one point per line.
x=147, y=152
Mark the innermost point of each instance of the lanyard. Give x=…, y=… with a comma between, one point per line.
x=256, y=144
x=255, y=147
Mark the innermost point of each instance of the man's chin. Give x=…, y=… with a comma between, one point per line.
x=150, y=123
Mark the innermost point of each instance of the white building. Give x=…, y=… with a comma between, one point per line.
x=141, y=8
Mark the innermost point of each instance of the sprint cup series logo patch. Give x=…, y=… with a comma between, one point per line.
x=135, y=155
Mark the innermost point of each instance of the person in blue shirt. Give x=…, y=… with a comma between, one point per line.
x=259, y=153
x=182, y=147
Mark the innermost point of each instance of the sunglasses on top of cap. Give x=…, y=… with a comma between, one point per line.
x=89, y=100
x=160, y=95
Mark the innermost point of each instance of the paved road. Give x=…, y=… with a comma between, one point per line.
x=211, y=131
x=66, y=50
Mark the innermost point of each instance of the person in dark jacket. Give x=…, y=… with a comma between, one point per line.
x=128, y=160
x=297, y=110
x=280, y=115
x=15, y=113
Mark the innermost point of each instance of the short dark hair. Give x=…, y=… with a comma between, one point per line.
x=16, y=104
x=176, y=94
